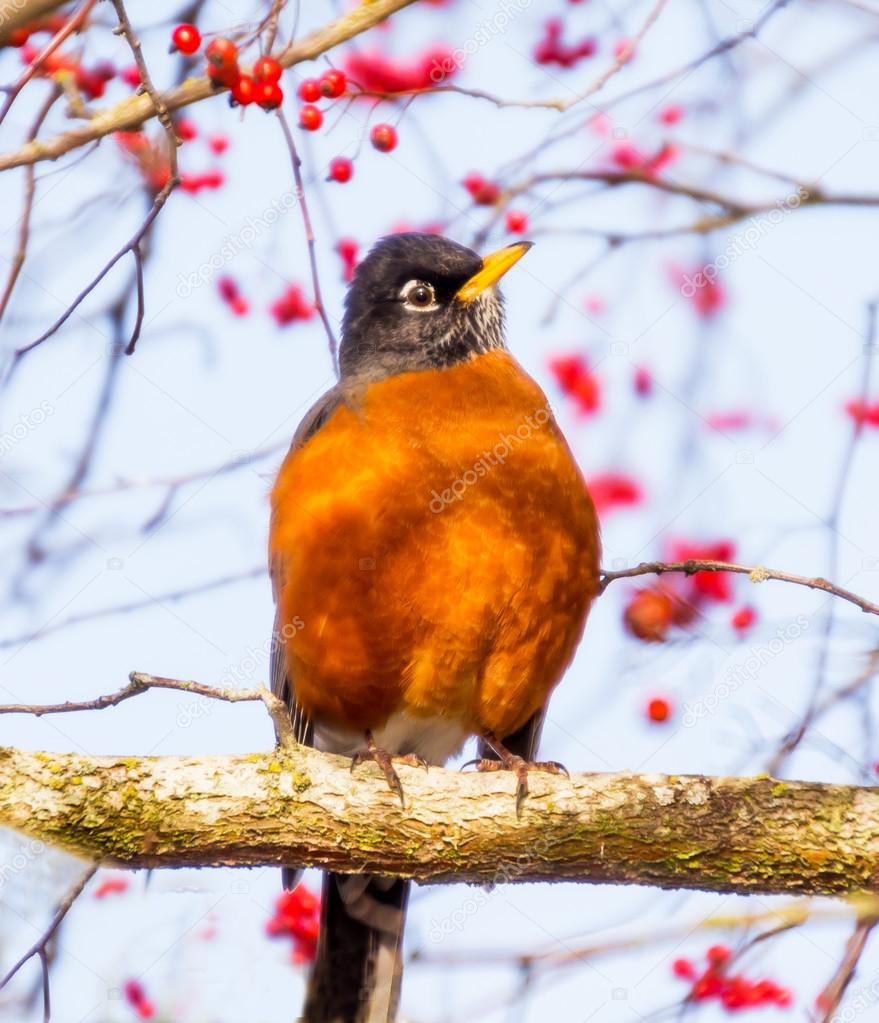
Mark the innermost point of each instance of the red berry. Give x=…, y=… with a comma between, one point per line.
x=743, y=619
x=267, y=69
x=384, y=137
x=186, y=130
x=310, y=118
x=643, y=382
x=186, y=38
x=222, y=53
x=269, y=95
x=483, y=192
x=671, y=114
x=220, y=76
x=658, y=709
x=131, y=75
x=517, y=222
x=309, y=90
x=341, y=170
x=717, y=955
x=683, y=968
x=19, y=36
x=244, y=91
x=333, y=83
x=650, y=614
x=218, y=143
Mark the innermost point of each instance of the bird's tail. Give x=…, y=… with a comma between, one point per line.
x=359, y=966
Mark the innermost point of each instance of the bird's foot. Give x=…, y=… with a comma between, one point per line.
x=386, y=762
x=508, y=761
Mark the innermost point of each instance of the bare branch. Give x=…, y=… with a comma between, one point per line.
x=140, y=682
x=757, y=574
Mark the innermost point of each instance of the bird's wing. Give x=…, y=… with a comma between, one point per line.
x=282, y=685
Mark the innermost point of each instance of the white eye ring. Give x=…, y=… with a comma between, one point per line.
x=418, y=296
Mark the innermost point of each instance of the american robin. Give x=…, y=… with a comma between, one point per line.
x=434, y=552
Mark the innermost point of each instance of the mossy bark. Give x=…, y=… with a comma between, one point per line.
x=297, y=806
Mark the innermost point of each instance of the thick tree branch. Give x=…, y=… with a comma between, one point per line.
x=132, y=112
x=15, y=13
x=296, y=805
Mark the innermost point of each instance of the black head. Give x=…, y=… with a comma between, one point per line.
x=419, y=301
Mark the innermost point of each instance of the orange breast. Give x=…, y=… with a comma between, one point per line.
x=437, y=542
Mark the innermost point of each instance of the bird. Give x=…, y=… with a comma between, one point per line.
x=433, y=551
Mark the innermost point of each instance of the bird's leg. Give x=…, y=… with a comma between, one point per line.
x=386, y=762
x=508, y=761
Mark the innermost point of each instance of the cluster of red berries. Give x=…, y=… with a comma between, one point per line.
x=297, y=915
x=482, y=191
x=862, y=412
x=150, y=158
x=376, y=72
x=652, y=611
x=91, y=82
x=577, y=381
x=137, y=998
x=733, y=991
x=628, y=157
x=262, y=86
x=551, y=49
x=290, y=307
x=230, y=293
x=331, y=85
x=701, y=287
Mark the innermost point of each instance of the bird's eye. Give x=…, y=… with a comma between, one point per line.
x=418, y=295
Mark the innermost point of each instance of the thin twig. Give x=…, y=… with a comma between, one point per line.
x=141, y=682
x=137, y=605
x=829, y=999
x=757, y=573
x=309, y=235
x=30, y=188
x=125, y=28
x=39, y=947
x=129, y=246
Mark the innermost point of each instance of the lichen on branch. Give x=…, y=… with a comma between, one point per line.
x=295, y=805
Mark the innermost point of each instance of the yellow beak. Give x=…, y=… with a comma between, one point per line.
x=494, y=266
